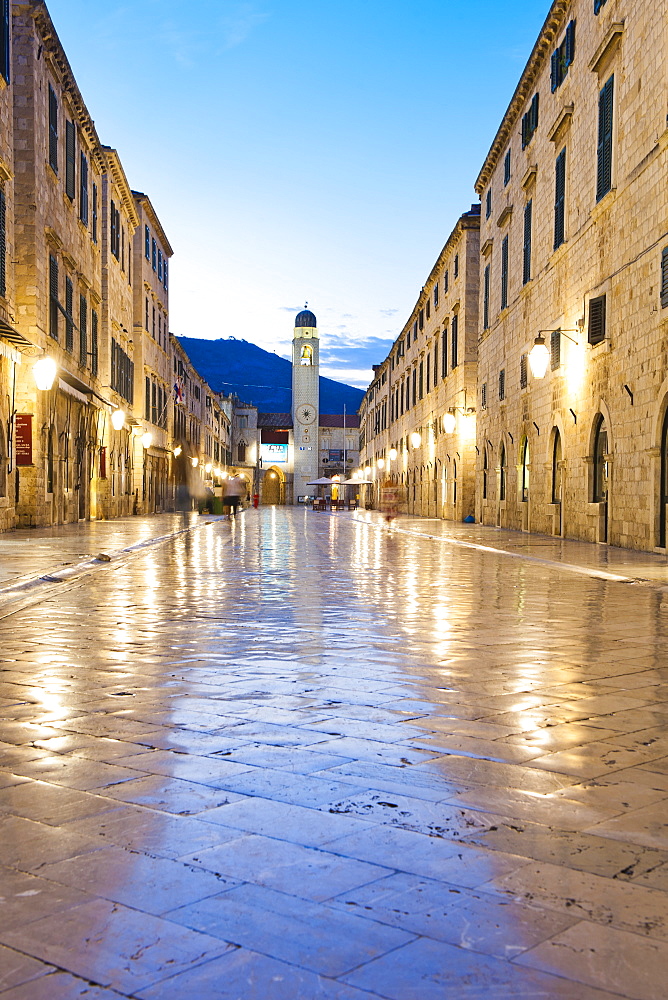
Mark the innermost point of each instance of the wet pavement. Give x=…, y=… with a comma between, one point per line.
x=301, y=757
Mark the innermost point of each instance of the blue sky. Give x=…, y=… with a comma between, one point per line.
x=296, y=151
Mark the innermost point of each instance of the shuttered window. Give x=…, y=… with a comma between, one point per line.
x=435, y=363
x=559, y=199
x=504, y=273
x=530, y=122
x=94, y=233
x=562, y=57
x=555, y=349
x=94, y=356
x=664, y=278
x=604, y=151
x=5, y=22
x=3, y=243
x=53, y=129
x=502, y=384
x=485, y=300
x=483, y=396
x=596, y=330
x=446, y=282
x=70, y=160
x=69, y=319
x=83, y=331
x=147, y=243
x=454, y=348
x=455, y=266
x=147, y=398
x=506, y=169
x=154, y=255
x=488, y=203
x=164, y=275
x=428, y=374
x=83, y=188
x=526, y=249
x=598, y=4
x=54, y=307
x=524, y=379
x=444, y=351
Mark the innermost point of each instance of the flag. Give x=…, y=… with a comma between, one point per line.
x=178, y=390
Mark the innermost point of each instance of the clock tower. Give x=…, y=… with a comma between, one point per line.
x=305, y=402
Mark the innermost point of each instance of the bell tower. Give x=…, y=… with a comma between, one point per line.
x=305, y=402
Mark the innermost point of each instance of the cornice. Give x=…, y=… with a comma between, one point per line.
x=115, y=168
x=145, y=202
x=561, y=124
x=538, y=58
x=606, y=50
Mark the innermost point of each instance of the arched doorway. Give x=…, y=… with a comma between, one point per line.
x=663, y=494
x=525, y=470
x=271, y=487
x=557, y=480
x=601, y=474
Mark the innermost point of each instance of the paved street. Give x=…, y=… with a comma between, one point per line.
x=302, y=757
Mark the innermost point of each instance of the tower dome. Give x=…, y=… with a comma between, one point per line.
x=306, y=318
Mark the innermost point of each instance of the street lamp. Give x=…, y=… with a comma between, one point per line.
x=44, y=373
x=416, y=439
x=194, y=461
x=449, y=422
x=147, y=440
x=117, y=419
x=208, y=467
x=381, y=463
x=177, y=451
x=392, y=454
x=539, y=357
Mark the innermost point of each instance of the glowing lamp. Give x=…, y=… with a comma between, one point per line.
x=147, y=440
x=393, y=454
x=368, y=470
x=416, y=439
x=208, y=467
x=381, y=463
x=177, y=451
x=194, y=461
x=117, y=419
x=44, y=373
x=539, y=357
x=449, y=422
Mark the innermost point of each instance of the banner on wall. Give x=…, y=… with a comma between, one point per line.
x=274, y=454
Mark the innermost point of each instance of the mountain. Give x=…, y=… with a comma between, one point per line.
x=259, y=377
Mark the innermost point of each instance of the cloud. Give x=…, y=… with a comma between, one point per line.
x=388, y=312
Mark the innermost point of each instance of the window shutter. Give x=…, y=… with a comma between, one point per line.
x=664, y=278
x=604, y=151
x=533, y=120
x=93, y=343
x=53, y=298
x=5, y=59
x=526, y=250
x=506, y=169
x=83, y=189
x=523, y=371
x=555, y=349
x=164, y=275
x=554, y=70
x=94, y=213
x=483, y=396
x=444, y=351
x=69, y=322
x=559, y=198
x=502, y=384
x=3, y=243
x=53, y=129
x=504, y=273
x=596, y=332
x=147, y=243
x=454, y=352
x=488, y=207
x=435, y=363
x=569, y=53
x=70, y=163
x=112, y=219
x=83, y=331
x=485, y=300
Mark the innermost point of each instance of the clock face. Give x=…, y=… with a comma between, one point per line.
x=306, y=414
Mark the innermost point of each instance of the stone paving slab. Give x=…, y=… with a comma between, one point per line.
x=301, y=756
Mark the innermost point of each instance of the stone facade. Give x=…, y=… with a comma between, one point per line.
x=305, y=403
x=418, y=415
x=574, y=250
x=10, y=357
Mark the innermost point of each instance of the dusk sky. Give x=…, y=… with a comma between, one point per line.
x=299, y=151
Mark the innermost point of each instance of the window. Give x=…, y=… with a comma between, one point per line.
x=506, y=169
x=562, y=57
x=54, y=305
x=444, y=351
x=446, y=282
x=241, y=451
x=436, y=296
x=94, y=213
x=83, y=331
x=502, y=473
x=115, y=220
x=488, y=203
x=159, y=265
x=604, y=151
x=153, y=323
x=600, y=485
x=526, y=463
x=428, y=374
x=3, y=243
x=147, y=398
x=455, y=266
x=556, y=467
x=94, y=356
x=504, y=273
x=70, y=159
x=421, y=380
x=4, y=40
x=415, y=331
x=421, y=318
x=485, y=468
x=435, y=362
x=530, y=122
x=147, y=243
x=555, y=349
x=83, y=188
x=146, y=314
x=526, y=249
x=483, y=396
x=559, y=198
x=415, y=386
x=454, y=353
x=53, y=129
x=69, y=321
x=596, y=330
x=502, y=384
x=598, y=4
x=154, y=255
x=664, y=273
x=164, y=275
x=122, y=372
x=524, y=380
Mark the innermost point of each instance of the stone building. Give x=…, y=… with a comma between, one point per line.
x=418, y=416
x=151, y=252
x=572, y=358
x=59, y=166
x=10, y=339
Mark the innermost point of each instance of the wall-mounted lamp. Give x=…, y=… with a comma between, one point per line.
x=177, y=451
x=539, y=357
x=147, y=440
x=44, y=372
x=416, y=439
x=194, y=461
x=392, y=454
x=449, y=421
x=381, y=463
x=117, y=419
x=208, y=467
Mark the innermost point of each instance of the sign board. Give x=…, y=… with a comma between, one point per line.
x=23, y=438
x=336, y=454
x=274, y=454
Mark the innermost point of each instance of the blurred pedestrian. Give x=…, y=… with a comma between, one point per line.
x=234, y=490
x=389, y=500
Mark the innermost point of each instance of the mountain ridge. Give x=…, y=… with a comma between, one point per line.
x=236, y=366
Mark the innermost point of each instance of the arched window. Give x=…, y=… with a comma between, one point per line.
x=454, y=482
x=526, y=462
x=3, y=462
x=502, y=473
x=306, y=357
x=241, y=451
x=663, y=497
x=556, y=467
x=600, y=491
x=485, y=471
